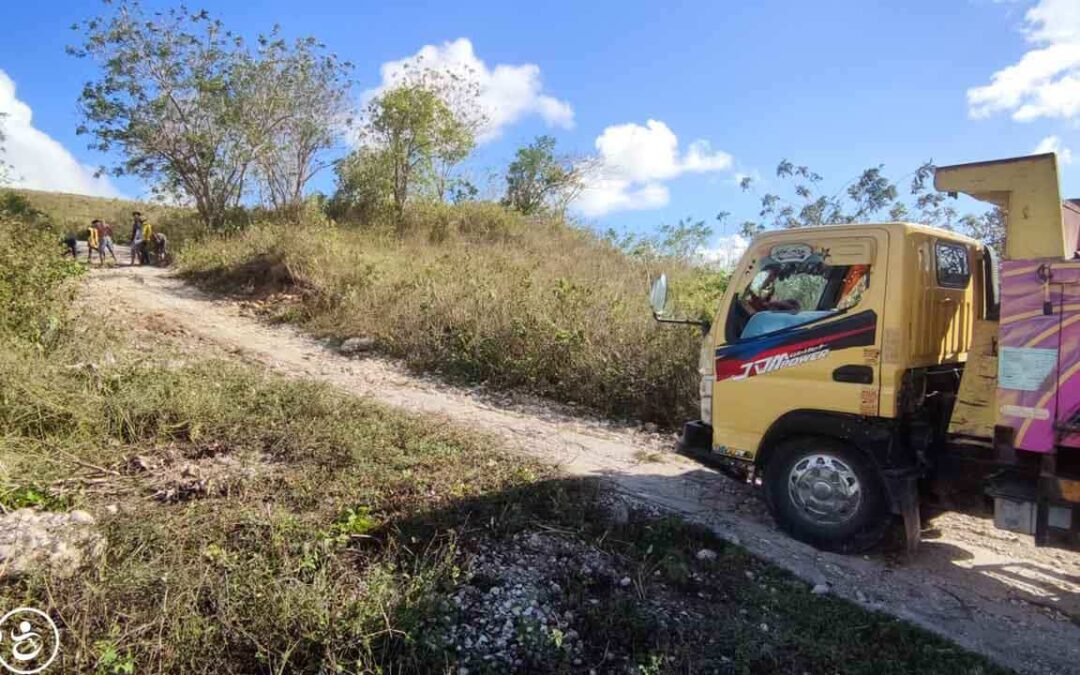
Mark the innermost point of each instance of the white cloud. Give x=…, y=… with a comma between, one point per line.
x=37, y=160
x=608, y=195
x=726, y=252
x=1045, y=82
x=1053, y=144
x=635, y=162
x=507, y=93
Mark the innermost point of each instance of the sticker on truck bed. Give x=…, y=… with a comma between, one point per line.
x=789, y=348
x=1025, y=368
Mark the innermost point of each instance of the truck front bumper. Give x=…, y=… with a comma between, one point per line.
x=696, y=442
x=696, y=437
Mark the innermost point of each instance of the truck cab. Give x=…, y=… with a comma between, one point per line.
x=833, y=374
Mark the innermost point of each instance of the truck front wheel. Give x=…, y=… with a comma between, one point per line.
x=826, y=493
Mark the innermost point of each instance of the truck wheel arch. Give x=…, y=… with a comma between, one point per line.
x=876, y=437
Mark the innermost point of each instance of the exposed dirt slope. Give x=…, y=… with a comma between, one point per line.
x=990, y=591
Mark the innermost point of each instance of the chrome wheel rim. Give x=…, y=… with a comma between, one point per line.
x=825, y=489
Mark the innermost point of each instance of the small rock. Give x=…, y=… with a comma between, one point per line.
x=619, y=512
x=357, y=345
x=819, y=589
x=706, y=554
x=860, y=596
x=624, y=582
x=81, y=517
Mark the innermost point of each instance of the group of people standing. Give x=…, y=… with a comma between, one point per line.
x=146, y=245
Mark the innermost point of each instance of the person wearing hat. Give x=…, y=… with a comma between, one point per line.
x=137, y=239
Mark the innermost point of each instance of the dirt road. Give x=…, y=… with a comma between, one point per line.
x=992, y=592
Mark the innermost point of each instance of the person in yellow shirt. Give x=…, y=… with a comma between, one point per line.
x=148, y=241
x=92, y=244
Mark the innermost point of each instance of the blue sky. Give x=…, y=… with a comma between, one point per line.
x=731, y=88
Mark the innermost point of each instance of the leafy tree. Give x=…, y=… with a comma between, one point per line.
x=306, y=110
x=538, y=181
x=414, y=132
x=365, y=185
x=193, y=111
x=988, y=227
x=685, y=239
x=869, y=196
x=172, y=98
x=462, y=190
x=682, y=241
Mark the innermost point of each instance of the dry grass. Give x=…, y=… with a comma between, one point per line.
x=73, y=213
x=483, y=296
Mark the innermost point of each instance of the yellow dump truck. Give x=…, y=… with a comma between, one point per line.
x=848, y=363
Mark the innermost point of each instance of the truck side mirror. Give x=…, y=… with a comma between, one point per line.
x=658, y=295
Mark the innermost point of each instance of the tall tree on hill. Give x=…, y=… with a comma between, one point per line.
x=416, y=134
x=192, y=110
x=538, y=180
x=309, y=109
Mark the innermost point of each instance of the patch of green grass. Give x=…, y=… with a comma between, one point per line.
x=32, y=496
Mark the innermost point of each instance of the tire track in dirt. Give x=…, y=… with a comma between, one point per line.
x=989, y=591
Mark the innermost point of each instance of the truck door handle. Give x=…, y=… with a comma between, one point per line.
x=854, y=374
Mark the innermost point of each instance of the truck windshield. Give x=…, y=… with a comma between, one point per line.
x=786, y=294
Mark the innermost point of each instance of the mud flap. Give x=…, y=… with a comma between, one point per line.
x=908, y=501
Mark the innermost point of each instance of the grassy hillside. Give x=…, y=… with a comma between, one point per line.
x=73, y=213
x=483, y=294
x=252, y=524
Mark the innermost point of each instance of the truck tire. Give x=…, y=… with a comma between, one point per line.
x=826, y=493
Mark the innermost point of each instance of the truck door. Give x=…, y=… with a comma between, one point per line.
x=801, y=331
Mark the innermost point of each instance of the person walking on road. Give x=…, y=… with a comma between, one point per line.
x=137, y=239
x=148, y=243
x=92, y=244
x=105, y=240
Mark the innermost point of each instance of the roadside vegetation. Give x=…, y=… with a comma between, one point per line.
x=69, y=213
x=250, y=524
x=481, y=293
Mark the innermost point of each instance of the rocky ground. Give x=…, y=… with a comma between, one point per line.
x=58, y=542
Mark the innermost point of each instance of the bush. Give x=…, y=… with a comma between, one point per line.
x=481, y=293
x=31, y=276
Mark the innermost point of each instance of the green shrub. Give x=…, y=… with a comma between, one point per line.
x=31, y=281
